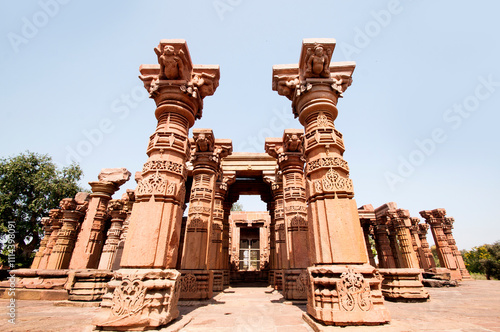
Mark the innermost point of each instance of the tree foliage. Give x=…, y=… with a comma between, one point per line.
x=484, y=259
x=31, y=185
x=237, y=207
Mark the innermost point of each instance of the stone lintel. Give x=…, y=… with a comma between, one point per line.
x=382, y=210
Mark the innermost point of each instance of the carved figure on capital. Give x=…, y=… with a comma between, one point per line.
x=293, y=142
x=171, y=63
x=318, y=62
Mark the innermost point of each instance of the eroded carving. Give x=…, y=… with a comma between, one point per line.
x=354, y=292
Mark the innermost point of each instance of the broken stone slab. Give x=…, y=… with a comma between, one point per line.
x=82, y=197
x=116, y=175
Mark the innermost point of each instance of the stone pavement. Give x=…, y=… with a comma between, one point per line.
x=472, y=307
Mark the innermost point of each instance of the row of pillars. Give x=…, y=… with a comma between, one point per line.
x=401, y=241
x=87, y=231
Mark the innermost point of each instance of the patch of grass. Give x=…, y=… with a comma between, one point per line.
x=477, y=276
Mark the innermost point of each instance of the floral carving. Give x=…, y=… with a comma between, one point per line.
x=322, y=120
x=327, y=162
x=333, y=181
x=302, y=282
x=152, y=184
x=354, y=291
x=196, y=224
x=129, y=297
x=166, y=165
x=298, y=223
x=189, y=284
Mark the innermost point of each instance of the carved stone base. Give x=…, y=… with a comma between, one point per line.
x=218, y=280
x=139, y=300
x=271, y=278
x=403, y=285
x=278, y=280
x=227, y=279
x=295, y=284
x=196, y=284
x=88, y=285
x=345, y=295
x=38, y=279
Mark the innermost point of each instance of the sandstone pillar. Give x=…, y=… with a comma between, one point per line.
x=63, y=248
x=448, y=231
x=226, y=236
x=401, y=221
x=145, y=291
x=281, y=256
x=128, y=199
x=197, y=278
x=367, y=220
x=417, y=244
x=91, y=238
x=272, y=245
x=427, y=252
x=435, y=219
x=55, y=216
x=219, y=238
x=382, y=242
x=118, y=215
x=43, y=243
x=352, y=295
x=289, y=153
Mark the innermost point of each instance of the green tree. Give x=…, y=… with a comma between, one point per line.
x=30, y=185
x=237, y=207
x=491, y=264
x=474, y=257
x=435, y=256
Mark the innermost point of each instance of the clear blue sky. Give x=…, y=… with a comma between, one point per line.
x=419, y=121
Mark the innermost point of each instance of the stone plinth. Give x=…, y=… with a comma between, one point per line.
x=403, y=285
x=87, y=285
x=346, y=295
x=38, y=279
x=196, y=284
x=295, y=284
x=278, y=280
x=218, y=280
x=139, y=300
x=337, y=245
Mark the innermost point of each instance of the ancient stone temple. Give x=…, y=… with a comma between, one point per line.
x=141, y=253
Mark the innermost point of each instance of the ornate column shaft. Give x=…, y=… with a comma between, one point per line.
x=43, y=243
x=63, y=248
x=435, y=219
x=337, y=245
x=278, y=219
x=367, y=220
x=448, y=231
x=146, y=279
x=427, y=252
x=417, y=244
x=128, y=199
x=118, y=215
x=386, y=258
x=289, y=153
x=55, y=226
x=201, y=228
x=401, y=221
x=91, y=238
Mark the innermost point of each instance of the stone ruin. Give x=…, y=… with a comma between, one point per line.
x=138, y=255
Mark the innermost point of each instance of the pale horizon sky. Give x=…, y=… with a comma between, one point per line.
x=420, y=120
